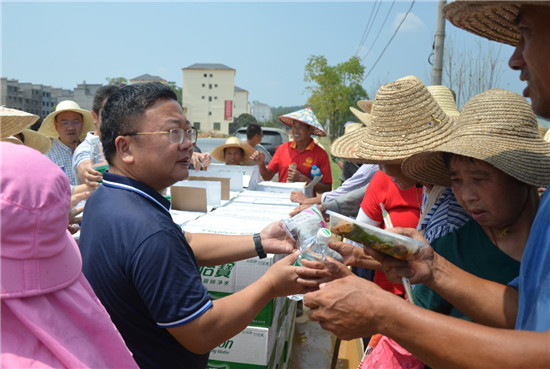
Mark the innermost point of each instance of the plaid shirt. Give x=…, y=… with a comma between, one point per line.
x=62, y=156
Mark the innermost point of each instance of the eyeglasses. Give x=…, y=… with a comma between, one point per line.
x=177, y=135
x=76, y=122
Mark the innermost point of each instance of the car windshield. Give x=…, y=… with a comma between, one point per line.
x=272, y=138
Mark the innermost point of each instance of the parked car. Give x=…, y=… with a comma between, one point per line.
x=207, y=144
x=273, y=137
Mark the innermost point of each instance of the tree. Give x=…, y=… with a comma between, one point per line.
x=176, y=89
x=334, y=89
x=244, y=120
x=117, y=81
x=469, y=72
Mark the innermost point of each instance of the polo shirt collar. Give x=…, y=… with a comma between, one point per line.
x=129, y=184
x=309, y=147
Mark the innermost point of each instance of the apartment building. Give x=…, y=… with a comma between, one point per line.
x=262, y=112
x=210, y=99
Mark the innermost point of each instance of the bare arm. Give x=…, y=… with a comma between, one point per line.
x=352, y=307
x=259, y=158
x=214, y=249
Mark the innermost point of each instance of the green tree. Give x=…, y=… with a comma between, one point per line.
x=244, y=120
x=117, y=81
x=176, y=89
x=333, y=90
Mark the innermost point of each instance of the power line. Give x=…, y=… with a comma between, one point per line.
x=367, y=28
x=380, y=30
x=390, y=40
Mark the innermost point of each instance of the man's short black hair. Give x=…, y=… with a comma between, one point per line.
x=102, y=93
x=252, y=130
x=125, y=108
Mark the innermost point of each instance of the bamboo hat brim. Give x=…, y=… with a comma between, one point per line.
x=32, y=139
x=305, y=116
x=13, y=121
x=494, y=20
x=405, y=119
x=498, y=127
x=219, y=154
x=47, y=127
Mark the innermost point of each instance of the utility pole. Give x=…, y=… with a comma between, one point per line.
x=439, y=43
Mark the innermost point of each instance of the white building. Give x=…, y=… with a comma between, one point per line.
x=262, y=112
x=210, y=98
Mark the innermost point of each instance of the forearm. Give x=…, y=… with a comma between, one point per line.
x=229, y=316
x=265, y=172
x=444, y=342
x=214, y=249
x=322, y=187
x=484, y=301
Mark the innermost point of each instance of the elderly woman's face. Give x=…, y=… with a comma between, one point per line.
x=233, y=155
x=493, y=198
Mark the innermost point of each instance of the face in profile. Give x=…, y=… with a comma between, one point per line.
x=400, y=179
x=233, y=155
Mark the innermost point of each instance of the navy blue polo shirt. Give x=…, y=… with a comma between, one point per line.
x=143, y=270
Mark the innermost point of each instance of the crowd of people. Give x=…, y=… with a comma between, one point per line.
x=469, y=185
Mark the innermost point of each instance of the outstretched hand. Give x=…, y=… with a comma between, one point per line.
x=275, y=240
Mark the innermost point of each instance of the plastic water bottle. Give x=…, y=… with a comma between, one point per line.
x=315, y=171
x=96, y=155
x=315, y=249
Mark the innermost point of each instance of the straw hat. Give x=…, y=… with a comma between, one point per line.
x=494, y=20
x=219, y=154
x=444, y=97
x=305, y=116
x=47, y=127
x=498, y=127
x=32, y=139
x=405, y=119
x=13, y=121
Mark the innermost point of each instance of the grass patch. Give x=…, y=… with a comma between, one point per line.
x=334, y=167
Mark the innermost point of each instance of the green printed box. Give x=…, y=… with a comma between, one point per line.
x=219, y=278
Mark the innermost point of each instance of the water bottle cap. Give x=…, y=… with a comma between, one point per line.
x=314, y=166
x=324, y=235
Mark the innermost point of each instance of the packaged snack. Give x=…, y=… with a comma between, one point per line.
x=305, y=224
x=389, y=243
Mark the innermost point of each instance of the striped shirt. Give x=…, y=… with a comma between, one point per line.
x=445, y=216
x=62, y=156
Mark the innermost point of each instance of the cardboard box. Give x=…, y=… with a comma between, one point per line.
x=224, y=182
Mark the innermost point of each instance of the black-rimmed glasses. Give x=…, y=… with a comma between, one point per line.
x=177, y=135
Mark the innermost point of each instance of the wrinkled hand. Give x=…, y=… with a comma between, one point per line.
x=74, y=213
x=294, y=175
x=419, y=269
x=355, y=256
x=314, y=273
x=350, y=307
x=275, y=240
x=258, y=157
x=298, y=196
x=91, y=175
x=201, y=160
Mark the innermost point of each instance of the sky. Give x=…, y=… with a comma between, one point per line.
x=64, y=43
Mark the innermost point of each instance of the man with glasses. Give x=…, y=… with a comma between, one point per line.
x=67, y=126
x=141, y=265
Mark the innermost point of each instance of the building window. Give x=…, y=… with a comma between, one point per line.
x=209, y=98
x=210, y=74
x=216, y=85
x=204, y=75
x=209, y=113
x=197, y=126
x=210, y=86
x=203, y=97
x=217, y=126
x=215, y=98
x=203, y=85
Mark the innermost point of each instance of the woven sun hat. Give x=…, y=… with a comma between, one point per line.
x=498, y=127
x=31, y=139
x=444, y=97
x=219, y=151
x=494, y=20
x=39, y=255
x=13, y=121
x=345, y=146
x=405, y=119
x=48, y=125
x=305, y=116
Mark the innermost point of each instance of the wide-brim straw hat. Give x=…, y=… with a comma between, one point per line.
x=32, y=139
x=405, y=119
x=494, y=20
x=47, y=127
x=444, y=97
x=219, y=151
x=345, y=146
x=305, y=116
x=498, y=127
x=13, y=121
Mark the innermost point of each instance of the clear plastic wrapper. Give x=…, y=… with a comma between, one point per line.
x=389, y=243
x=305, y=224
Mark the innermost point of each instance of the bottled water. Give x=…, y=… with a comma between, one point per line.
x=315, y=171
x=315, y=249
x=96, y=155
